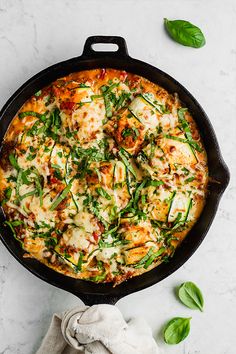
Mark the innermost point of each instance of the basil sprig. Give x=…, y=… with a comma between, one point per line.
x=177, y=330
x=101, y=191
x=61, y=197
x=185, y=33
x=13, y=161
x=191, y=296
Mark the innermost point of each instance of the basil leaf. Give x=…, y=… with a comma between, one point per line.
x=121, y=153
x=61, y=197
x=14, y=162
x=38, y=93
x=101, y=191
x=153, y=257
x=12, y=225
x=138, y=191
x=177, y=330
x=26, y=195
x=82, y=85
x=144, y=259
x=80, y=261
x=30, y=113
x=185, y=33
x=191, y=296
x=154, y=183
x=192, y=143
x=184, y=123
x=8, y=193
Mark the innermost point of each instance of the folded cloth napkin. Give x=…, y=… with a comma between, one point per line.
x=99, y=329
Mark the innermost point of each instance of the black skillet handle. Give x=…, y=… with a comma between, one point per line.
x=122, y=50
x=94, y=299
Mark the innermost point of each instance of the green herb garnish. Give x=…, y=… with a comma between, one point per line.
x=126, y=162
x=14, y=162
x=101, y=191
x=185, y=33
x=191, y=296
x=177, y=330
x=61, y=197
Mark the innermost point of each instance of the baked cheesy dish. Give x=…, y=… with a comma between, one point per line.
x=102, y=175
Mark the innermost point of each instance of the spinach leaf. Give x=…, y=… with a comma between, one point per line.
x=177, y=330
x=185, y=33
x=191, y=296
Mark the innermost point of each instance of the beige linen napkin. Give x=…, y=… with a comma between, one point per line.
x=99, y=329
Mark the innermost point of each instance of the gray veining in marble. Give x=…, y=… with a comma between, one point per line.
x=37, y=33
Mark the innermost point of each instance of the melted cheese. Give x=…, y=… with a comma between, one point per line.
x=97, y=181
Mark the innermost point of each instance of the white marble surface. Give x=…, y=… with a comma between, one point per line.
x=35, y=34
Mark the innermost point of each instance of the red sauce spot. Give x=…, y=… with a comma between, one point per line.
x=123, y=76
x=56, y=91
x=53, y=179
x=95, y=235
x=101, y=227
x=67, y=105
x=102, y=74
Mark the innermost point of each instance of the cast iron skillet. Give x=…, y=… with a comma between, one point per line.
x=89, y=292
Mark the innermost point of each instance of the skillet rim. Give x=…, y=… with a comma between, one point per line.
x=96, y=293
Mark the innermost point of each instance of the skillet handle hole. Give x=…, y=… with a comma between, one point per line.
x=104, y=47
x=99, y=46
